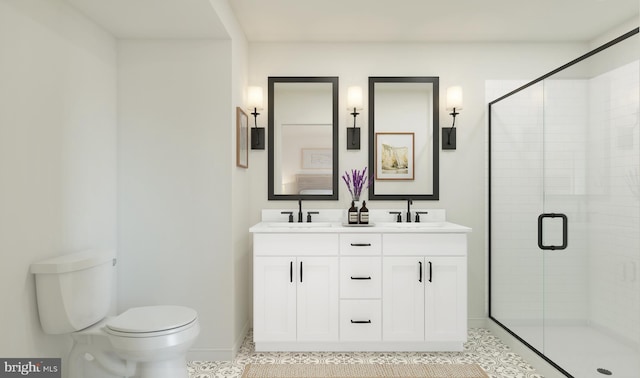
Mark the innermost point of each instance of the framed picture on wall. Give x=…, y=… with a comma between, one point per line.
x=394, y=156
x=316, y=158
x=242, y=138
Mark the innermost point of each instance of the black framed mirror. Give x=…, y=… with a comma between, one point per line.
x=403, y=138
x=303, y=138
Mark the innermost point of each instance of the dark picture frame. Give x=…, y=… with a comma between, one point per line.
x=242, y=138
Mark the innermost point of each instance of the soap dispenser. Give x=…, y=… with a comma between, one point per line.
x=353, y=214
x=363, y=216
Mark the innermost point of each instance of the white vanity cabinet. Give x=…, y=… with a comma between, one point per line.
x=360, y=289
x=425, y=288
x=424, y=299
x=295, y=288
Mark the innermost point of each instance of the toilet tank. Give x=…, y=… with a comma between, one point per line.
x=74, y=291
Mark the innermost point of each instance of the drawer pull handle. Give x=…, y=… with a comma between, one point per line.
x=360, y=321
x=361, y=244
x=360, y=278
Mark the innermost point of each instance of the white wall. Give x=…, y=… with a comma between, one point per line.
x=240, y=217
x=183, y=208
x=174, y=149
x=57, y=155
x=462, y=172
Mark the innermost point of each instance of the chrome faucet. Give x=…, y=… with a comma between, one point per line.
x=409, y=203
x=300, y=211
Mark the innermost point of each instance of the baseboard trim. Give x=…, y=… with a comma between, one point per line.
x=210, y=354
x=219, y=354
x=240, y=339
x=477, y=322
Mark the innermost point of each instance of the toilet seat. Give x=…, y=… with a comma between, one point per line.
x=151, y=321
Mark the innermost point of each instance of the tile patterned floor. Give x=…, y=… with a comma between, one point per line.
x=482, y=348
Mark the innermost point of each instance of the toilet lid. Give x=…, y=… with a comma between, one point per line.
x=152, y=319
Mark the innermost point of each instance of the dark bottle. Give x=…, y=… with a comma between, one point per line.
x=363, y=217
x=353, y=214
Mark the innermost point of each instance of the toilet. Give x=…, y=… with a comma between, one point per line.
x=74, y=296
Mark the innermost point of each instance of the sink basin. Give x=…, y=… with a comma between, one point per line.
x=299, y=225
x=413, y=225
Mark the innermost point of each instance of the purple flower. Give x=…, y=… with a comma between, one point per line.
x=356, y=182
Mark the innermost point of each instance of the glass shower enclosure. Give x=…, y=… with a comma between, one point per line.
x=564, y=213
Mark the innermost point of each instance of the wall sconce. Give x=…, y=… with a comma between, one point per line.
x=354, y=101
x=454, y=103
x=254, y=100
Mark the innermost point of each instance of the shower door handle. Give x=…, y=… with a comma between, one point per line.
x=564, y=232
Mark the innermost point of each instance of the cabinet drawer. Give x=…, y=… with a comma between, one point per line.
x=408, y=244
x=360, y=320
x=360, y=244
x=295, y=244
x=360, y=277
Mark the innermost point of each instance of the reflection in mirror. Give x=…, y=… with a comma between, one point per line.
x=403, y=138
x=303, y=138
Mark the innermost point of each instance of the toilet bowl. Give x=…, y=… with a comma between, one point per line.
x=157, y=333
x=73, y=294
x=141, y=342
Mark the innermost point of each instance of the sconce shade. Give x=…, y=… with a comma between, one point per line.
x=354, y=97
x=454, y=98
x=354, y=103
x=254, y=98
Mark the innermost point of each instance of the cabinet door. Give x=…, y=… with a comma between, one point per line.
x=274, y=299
x=445, y=299
x=317, y=296
x=403, y=299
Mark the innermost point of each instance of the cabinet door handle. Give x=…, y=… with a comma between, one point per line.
x=361, y=244
x=360, y=321
x=430, y=271
x=360, y=278
x=291, y=271
x=300, y=271
x=420, y=272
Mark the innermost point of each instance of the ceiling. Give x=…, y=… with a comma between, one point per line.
x=366, y=20
x=154, y=19
x=431, y=20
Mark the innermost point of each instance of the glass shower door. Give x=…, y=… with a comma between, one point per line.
x=516, y=174
x=563, y=226
x=591, y=163
x=565, y=213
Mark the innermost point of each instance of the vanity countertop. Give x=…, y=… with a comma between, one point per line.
x=337, y=227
